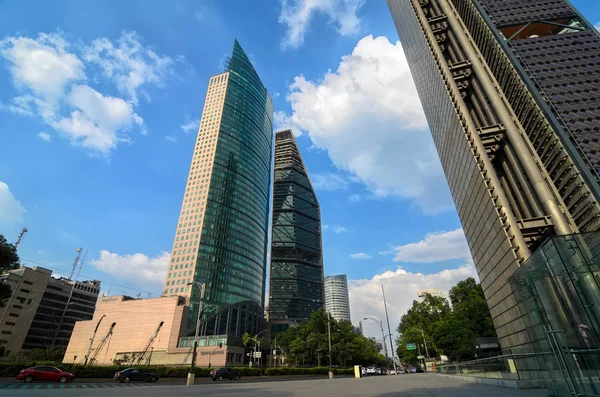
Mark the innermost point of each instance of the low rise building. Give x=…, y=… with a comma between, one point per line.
x=155, y=332
x=42, y=310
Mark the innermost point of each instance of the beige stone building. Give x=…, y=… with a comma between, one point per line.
x=145, y=332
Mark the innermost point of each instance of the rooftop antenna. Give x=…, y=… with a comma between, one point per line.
x=75, y=262
x=81, y=264
x=23, y=231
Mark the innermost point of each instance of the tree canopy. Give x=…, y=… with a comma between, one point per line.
x=307, y=343
x=447, y=330
x=9, y=260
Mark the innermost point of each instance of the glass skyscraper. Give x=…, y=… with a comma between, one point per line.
x=510, y=92
x=296, y=277
x=221, y=236
x=337, y=302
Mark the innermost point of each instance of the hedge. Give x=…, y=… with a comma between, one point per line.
x=108, y=371
x=307, y=371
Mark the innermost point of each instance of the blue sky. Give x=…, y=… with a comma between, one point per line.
x=99, y=104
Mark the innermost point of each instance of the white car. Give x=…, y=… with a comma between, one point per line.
x=371, y=370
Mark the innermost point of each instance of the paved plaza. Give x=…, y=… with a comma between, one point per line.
x=414, y=385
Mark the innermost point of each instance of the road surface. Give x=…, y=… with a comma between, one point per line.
x=414, y=385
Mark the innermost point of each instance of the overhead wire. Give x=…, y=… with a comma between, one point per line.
x=88, y=277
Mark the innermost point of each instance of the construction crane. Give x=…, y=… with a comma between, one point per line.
x=150, y=341
x=75, y=262
x=21, y=236
x=101, y=344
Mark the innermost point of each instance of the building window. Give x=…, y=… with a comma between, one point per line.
x=13, y=315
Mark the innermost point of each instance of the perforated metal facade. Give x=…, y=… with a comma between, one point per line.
x=296, y=277
x=515, y=175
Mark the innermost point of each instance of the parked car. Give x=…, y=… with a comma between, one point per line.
x=419, y=370
x=135, y=374
x=45, y=373
x=401, y=371
x=224, y=373
x=412, y=370
x=371, y=370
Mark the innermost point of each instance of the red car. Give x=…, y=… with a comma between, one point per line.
x=45, y=373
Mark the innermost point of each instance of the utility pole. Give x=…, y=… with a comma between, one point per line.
x=191, y=374
x=329, y=337
x=389, y=330
x=23, y=231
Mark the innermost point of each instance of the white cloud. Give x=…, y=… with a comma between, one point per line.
x=340, y=229
x=190, y=126
x=328, y=181
x=435, y=247
x=137, y=268
x=325, y=227
x=128, y=63
x=44, y=136
x=368, y=117
x=49, y=75
x=281, y=121
x=297, y=15
x=597, y=25
x=97, y=119
x=171, y=138
x=11, y=209
x=401, y=289
x=43, y=66
x=386, y=252
x=355, y=198
x=360, y=255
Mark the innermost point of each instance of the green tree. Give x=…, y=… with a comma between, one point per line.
x=307, y=343
x=454, y=337
x=9, y=260
x=469, y=303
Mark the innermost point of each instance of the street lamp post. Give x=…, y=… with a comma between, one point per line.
x=329, y=337
x=191, y=374
x=383, y=337
x=389, y=330
x=87, y=356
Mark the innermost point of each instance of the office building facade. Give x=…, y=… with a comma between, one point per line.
x=337, y=302
x=221, y=235
x=42, y=310
x=504, y=86
x=296, y=273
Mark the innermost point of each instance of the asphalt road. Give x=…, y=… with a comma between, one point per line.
x=414, y=385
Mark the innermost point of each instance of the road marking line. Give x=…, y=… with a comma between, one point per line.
x=104, y=385
x=95, y=386
x=37, y=386
x=49, y=386
x=61, y=386
x=84, y=386
x=11, y=386
x=24, y=386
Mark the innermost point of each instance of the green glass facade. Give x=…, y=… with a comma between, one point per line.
x=296, y=276
x=233, y=245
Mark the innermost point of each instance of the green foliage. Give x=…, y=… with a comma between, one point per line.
x=9, y=260
x=49, y=354
x=448, y=331
x=108, y=371
x=307, y=343
x=307, y=371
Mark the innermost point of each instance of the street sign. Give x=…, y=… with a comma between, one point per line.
x=420, y=357
x=411, y=346
x=257, y=354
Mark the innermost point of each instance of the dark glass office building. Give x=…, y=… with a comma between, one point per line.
x=221, y=238
x=510, y=89
x=296, y=277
